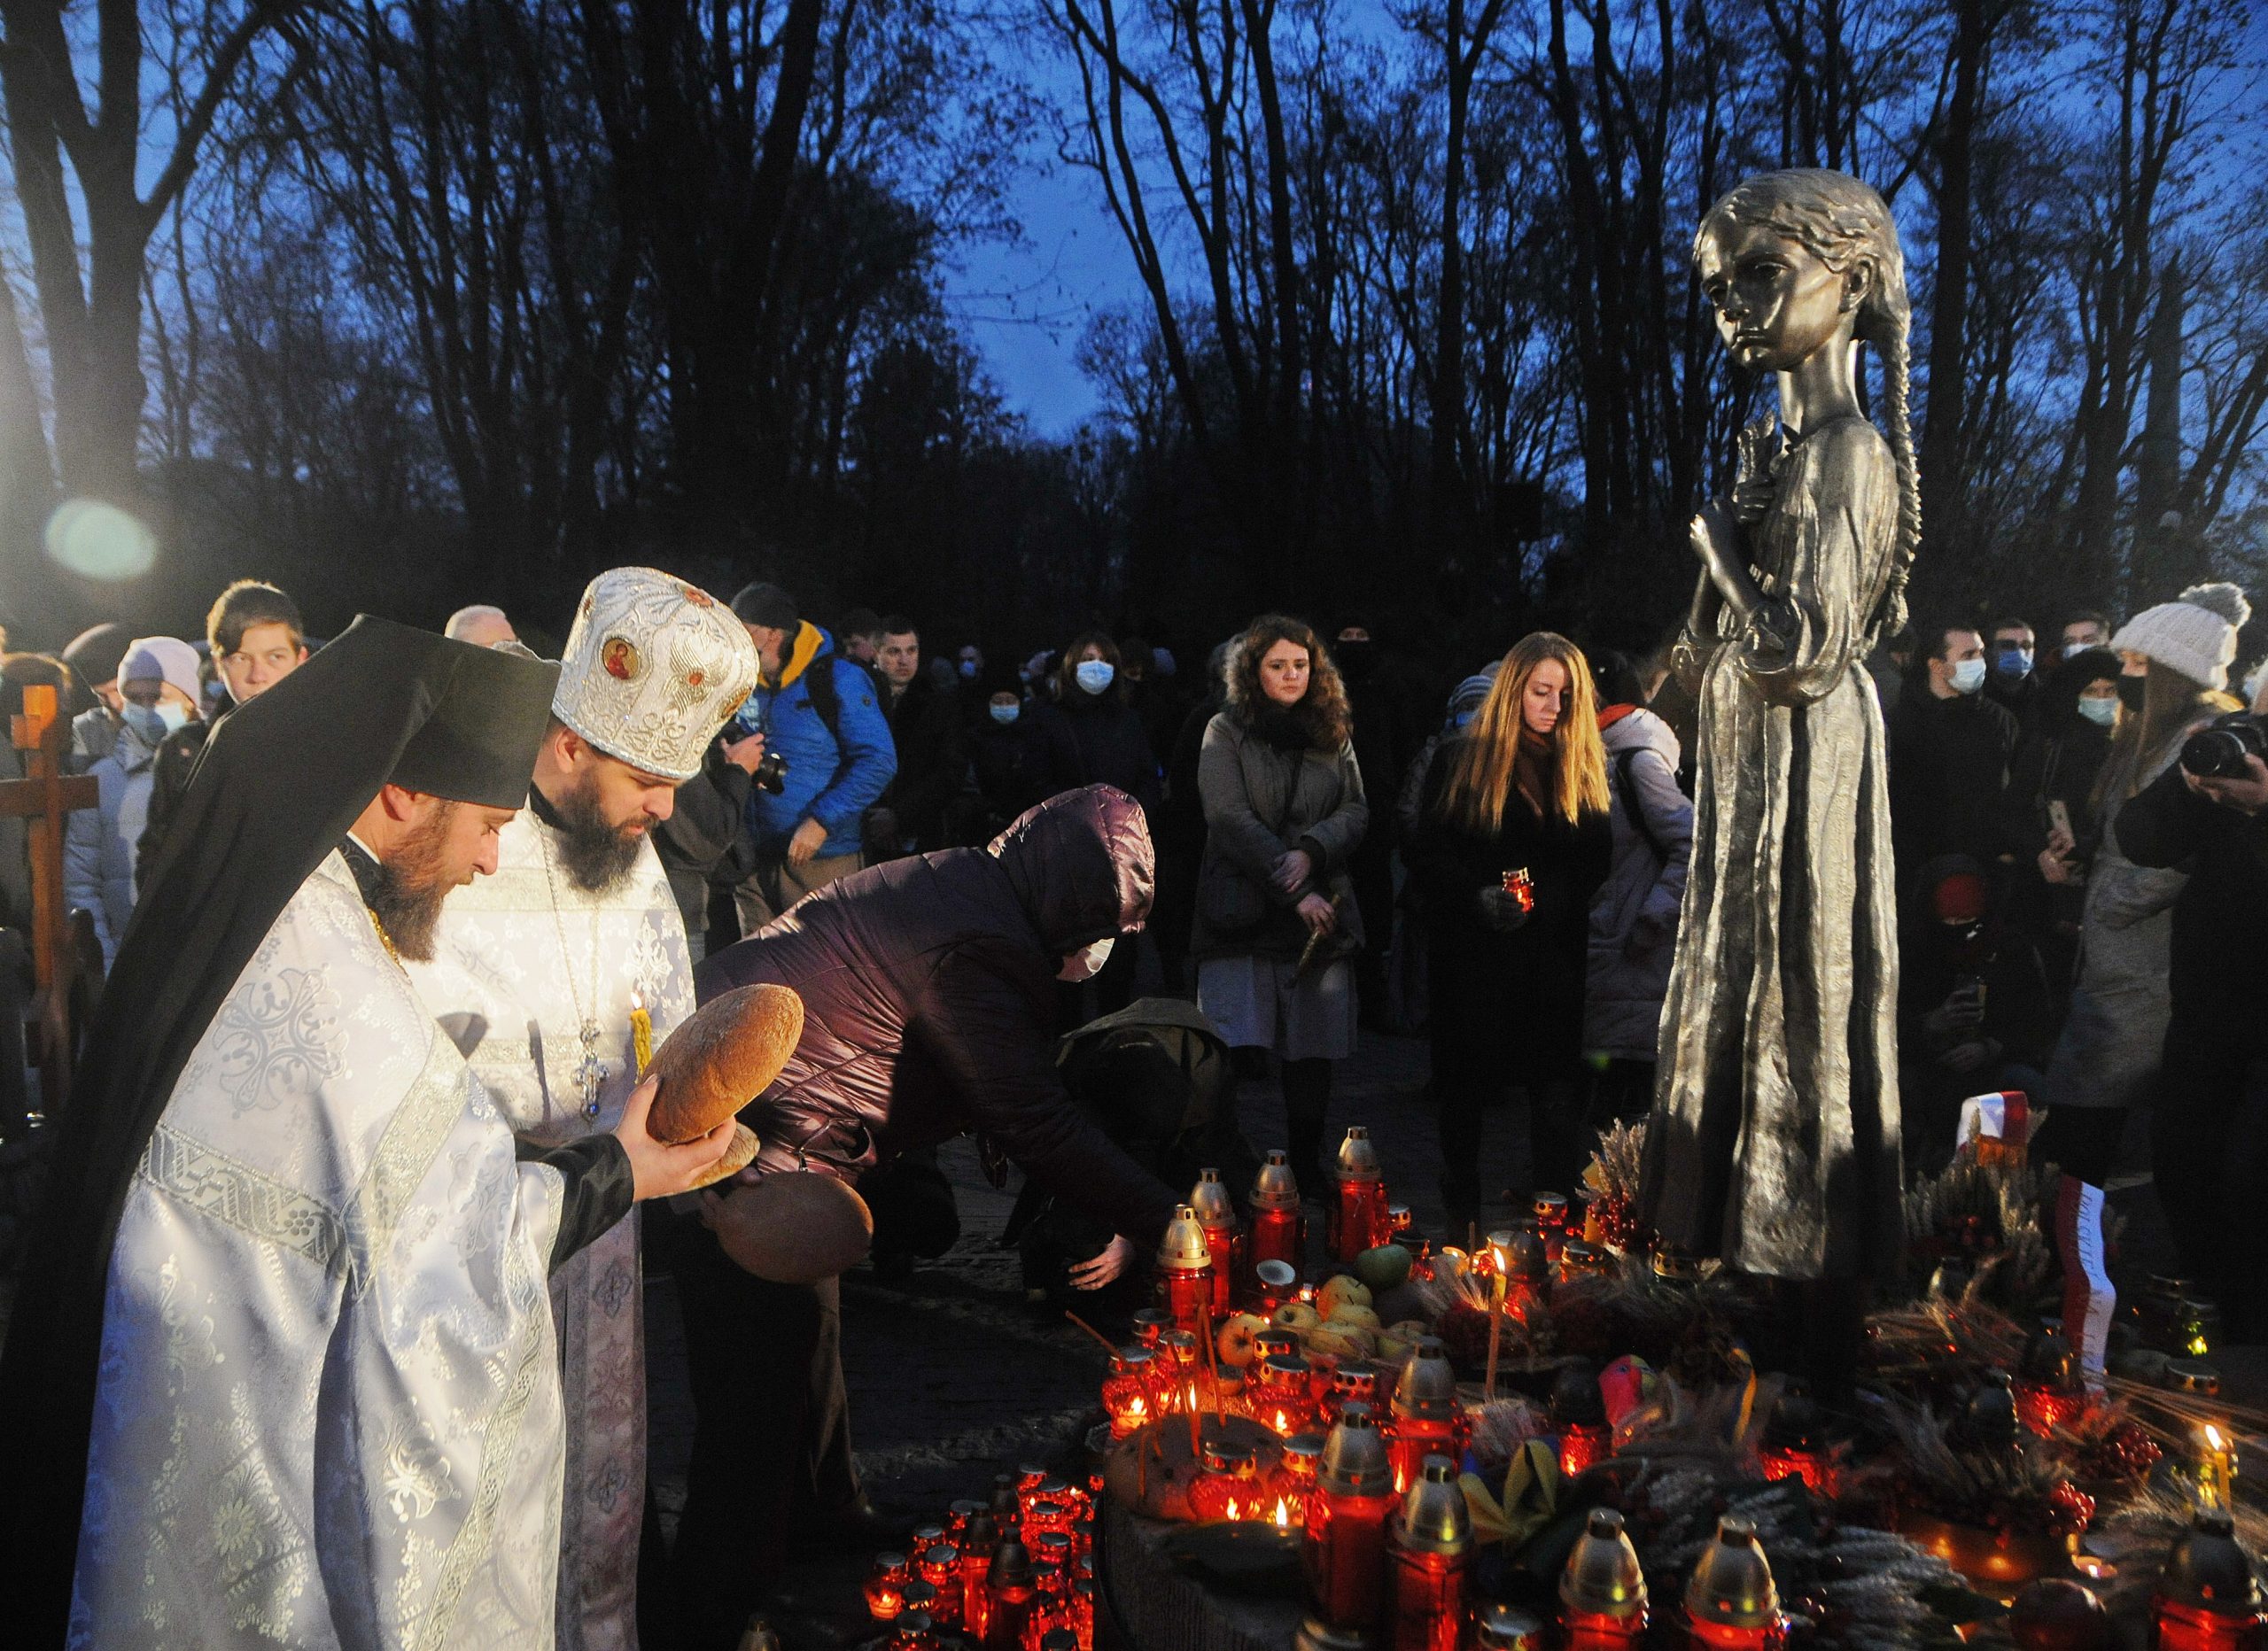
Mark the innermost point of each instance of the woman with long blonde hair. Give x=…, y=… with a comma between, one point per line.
x=1513, y=841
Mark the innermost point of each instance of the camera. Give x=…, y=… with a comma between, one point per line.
x=771, y=773
x=2217, y=750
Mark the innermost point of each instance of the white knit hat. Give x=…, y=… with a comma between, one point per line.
x=2195, y=634
x=653, y=668
x=165, y=658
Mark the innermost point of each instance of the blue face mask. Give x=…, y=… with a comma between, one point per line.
x=968, y=669
x=1005, y=714
x=2101, y=713
x=154, y=723
x=2013, y=661
x=1094, y=675
x=1969, y=675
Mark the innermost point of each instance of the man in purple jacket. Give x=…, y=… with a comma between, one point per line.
x=929, y=1009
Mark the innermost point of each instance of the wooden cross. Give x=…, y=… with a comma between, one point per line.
x=42, y=797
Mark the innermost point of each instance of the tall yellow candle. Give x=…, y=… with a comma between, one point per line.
x=641, y=1033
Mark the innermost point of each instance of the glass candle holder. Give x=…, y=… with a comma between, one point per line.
x=1343, y=1549
x=1429, y=1557
x=1216, y=1213
x=1282, y=1395
x=1014, y=1587
x=977, y=1549
x=1150, y=1323
x=1278, y=1230
x=1292, y=1481
x=1130, y=1392
x=1603, y=1603
x=1185, y=1272
x=1352, y=1382
x=1425, y=1417
x=1731, y=1603
x=1357, y=1217
x=1228, y=1486
x=2206, y=1598
x=885, y=1586
x=939, y=1566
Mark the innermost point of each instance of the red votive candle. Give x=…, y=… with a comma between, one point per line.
x=1603, y=1590
x=1425, y=1417
x=1430, y=1546
x=1344, y=1549
x=1186, y=1272
x=1216, y=1213
x=1277, y=1234
x=1358, y=1219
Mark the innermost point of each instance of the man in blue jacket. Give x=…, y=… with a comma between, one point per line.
x=816, y=711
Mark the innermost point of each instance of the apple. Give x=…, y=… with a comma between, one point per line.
x=1296, y=1316
x=1383, y=1268
x=1362, y=1318
x=1238, y=1341
x=1342, y=1292
x=1397, y=1342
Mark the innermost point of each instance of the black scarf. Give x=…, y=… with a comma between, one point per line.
x=276, y=790
x=1283, y=726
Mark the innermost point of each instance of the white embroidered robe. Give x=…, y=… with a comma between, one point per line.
x=327, y=1413
x=512, y=979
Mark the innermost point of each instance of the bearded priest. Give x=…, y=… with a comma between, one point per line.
x=560, y=974
x=284, y=1358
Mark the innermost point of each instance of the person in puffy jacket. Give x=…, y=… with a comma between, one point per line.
x=158, y=684
x=929, y=988
x=1633, y=915
x=821, y=714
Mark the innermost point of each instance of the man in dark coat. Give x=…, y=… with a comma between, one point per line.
x=1950, y=751
x=925, y=723
x=929, y=1009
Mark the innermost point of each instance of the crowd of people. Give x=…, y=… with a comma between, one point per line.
x=1332, y=837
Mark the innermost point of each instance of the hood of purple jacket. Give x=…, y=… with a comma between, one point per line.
x=1081, y=866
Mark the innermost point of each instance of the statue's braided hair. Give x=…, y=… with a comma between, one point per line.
x=1844, y=222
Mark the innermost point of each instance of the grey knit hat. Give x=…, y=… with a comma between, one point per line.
x=2195, y=634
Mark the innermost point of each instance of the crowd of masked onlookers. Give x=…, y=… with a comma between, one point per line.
x=2080, y=816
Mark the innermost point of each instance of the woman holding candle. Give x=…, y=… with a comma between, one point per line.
x=1522, y=790
x=1276, y=914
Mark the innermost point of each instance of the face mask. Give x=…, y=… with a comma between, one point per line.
x=1005, y=714
x=2014, y=662
x=2072, y=650
x=1969, y=675
x=2130, y=690
x=1087, y=963
x=2101, y=713
x=968, y=668
x=1094, y=675
x=148, y=726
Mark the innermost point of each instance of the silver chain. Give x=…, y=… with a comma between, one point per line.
x=591, y=1073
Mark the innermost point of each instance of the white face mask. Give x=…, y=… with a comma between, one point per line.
x=1967, y=676
x=1086, y=963
x=1005, y=714
x=1094, y=675
x=2102, y=713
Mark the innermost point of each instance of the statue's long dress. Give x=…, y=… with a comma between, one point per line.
x=1773, y=1140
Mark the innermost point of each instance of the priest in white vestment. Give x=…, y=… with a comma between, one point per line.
x=290, y=1344
x=539, y=973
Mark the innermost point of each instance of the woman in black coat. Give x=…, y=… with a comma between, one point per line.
x=2056, y=762
x=1093, y=736
x=1523, y=788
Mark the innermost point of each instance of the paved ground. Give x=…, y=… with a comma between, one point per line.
x=954, y=1378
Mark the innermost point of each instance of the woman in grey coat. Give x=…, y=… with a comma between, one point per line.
x=1633, y=915
x=2109, y=1054
x=1275, y=913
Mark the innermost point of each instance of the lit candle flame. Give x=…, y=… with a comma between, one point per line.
x=1282, y=1518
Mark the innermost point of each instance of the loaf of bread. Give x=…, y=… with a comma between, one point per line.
x=795, y=1227
x=737, y=1157
x=722, y=1059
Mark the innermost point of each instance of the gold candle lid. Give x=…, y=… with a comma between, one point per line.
x=1433, y=1518
x=1355, y=1460
x=1358, y=1160
x=1184, y=1249
x=1732, y=1585
x=1603, y=1578
x=1426, y=1389
x=1273, y=1188
x=1209, y=1199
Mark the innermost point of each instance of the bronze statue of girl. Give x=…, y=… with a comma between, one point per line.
x=1774, y=1142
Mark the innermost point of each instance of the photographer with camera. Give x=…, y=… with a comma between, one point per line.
x=2209, y=816
x=826, y=758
